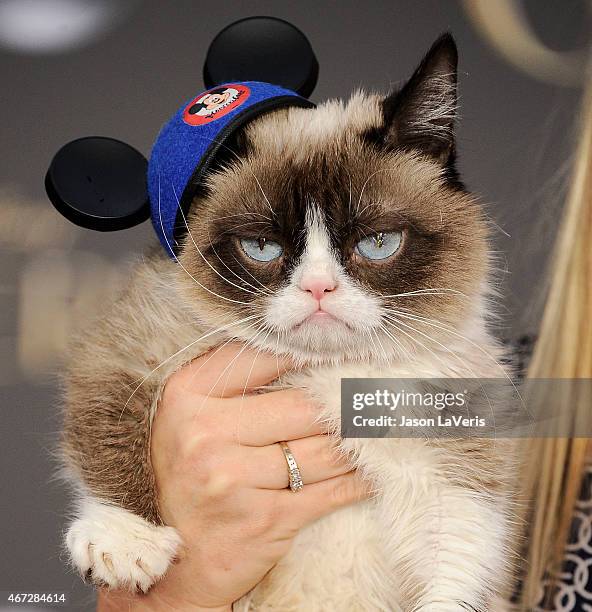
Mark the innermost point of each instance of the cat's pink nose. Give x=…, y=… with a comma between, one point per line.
x=318, y=286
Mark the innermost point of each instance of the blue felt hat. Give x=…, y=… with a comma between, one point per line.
x=104, y=184
x=187, y=146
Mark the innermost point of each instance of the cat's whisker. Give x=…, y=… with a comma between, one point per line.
x=371, y=339
x=218, y=348
x=407, y=313
x=243, y=214
x=203, y=256
x=247, y=380
x=197, y=370
x=235, y=227
x=183, y=267
x=203, y=337
x=427, y=291
x=397, y=342
x=349, y=204
x=350, y=196
x=253, y=364
x=358, y=211
x=256, y=290
x=277, y=354
x=264, y=195
x=413, y=339
x=263, y=289
x=373, y=230
x=447, y=329
x=384, y=353
x=260, y=328
x=223, y=145
x=177, y=353
x=431, y=339
x=395, y=325
x=231, y=364
x=453, y=353
x=382, y=349
x=363, y=232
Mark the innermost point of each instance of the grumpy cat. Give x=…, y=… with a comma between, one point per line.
x=344, y=238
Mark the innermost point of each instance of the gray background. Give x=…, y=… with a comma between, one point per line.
x=515, y=138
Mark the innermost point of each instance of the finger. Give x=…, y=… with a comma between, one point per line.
x=231, y=369
x=317, y=458
x=322, y=498
x=266, y=418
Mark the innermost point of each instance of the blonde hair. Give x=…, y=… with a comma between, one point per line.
x=553, y=467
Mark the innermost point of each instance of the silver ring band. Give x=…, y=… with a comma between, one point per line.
x=294, y=475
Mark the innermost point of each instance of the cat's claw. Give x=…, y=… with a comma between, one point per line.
x=112, y=547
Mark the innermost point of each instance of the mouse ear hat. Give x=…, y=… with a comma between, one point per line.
x=253, y=66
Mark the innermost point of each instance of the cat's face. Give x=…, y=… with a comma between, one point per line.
x=342, y=231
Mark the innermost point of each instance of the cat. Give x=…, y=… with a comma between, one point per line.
x=361, y=203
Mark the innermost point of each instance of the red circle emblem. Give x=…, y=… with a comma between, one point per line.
x=215, y=103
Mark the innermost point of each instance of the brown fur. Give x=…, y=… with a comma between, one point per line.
x=106, y=442
x=368, y=166
x=297, y=157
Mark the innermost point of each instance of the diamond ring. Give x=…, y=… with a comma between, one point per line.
x=296, y=483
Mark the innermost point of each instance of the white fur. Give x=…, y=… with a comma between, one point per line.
x=119, y=548
x=355, y=308
x=331, y=119
x=425, y=542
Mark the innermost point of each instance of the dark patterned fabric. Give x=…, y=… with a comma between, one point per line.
x=572, y=589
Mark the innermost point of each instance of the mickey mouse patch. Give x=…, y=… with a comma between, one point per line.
x=215, y=103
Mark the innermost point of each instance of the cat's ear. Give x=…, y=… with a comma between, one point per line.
x=421, y=115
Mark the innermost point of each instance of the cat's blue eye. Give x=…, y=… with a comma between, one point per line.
x=261, y=249
x=380, y=245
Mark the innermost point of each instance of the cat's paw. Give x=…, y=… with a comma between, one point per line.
x=115, y=548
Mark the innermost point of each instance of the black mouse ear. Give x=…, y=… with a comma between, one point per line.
x=262, y=49
x=99, y=183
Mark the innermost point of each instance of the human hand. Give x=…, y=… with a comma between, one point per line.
x=222, y=477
